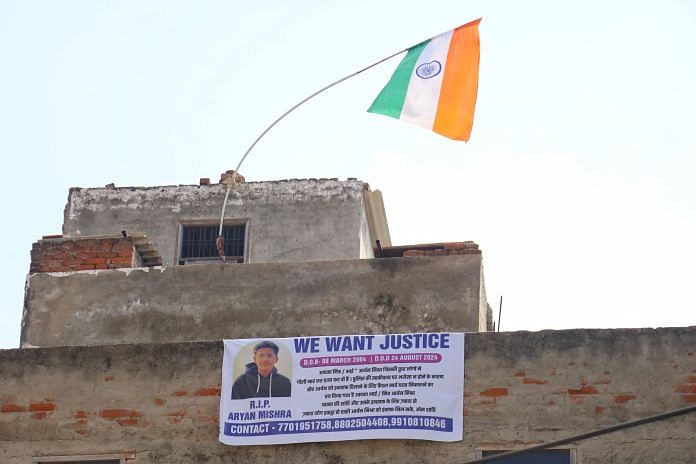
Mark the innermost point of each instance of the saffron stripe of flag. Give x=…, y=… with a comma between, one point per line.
x=436, y=83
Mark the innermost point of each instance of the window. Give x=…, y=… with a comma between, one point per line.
x=86, y=459
x=197, y=243
x=550, y=456
x=80, y=461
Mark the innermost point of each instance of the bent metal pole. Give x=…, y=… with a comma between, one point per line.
x=230, y=182
x=585, y=436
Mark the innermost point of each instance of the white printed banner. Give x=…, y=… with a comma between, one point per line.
x=350, y=387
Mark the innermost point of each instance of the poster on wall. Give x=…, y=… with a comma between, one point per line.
x=346, y=387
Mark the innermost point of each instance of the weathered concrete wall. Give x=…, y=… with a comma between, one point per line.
x=298, y=220
x=215, y=301
x=161, y=401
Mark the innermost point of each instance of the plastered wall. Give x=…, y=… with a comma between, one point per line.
x=295, y=220
x=215, y=301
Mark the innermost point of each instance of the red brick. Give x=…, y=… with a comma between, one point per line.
x=59, y=255
x=409, y=253
x=689, y=398
x=179, y=413
x=177, y=417
x=453, y=246
x=60, y=269
x=9, y=407
x=621, y=399
x=126, y=254
x=531, y=381
x=496, y=391
x=123, y=246
x=691, y=379
x=584, y=390
x=101, y=266
x=598, y=409
x=86, y=251
x=159, y=401
x=120, y=260
x=106, y=245
x=79, y=414
x=520, y=374
x=213, y=391
x=38, y=415
x=180, y=393
x=82, y=267
x=94, y=261
x=108, y=378
x=45, y=406
x=127, y=422
x=86, y=254
x=685, y=388
x=111, y=414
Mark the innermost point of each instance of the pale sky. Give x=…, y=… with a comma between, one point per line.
x=576, y=183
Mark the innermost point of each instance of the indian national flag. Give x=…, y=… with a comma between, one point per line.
x=435, y=84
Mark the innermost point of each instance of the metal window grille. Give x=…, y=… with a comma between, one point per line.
x=198, y=243
x=77, y=460
x=89, y=461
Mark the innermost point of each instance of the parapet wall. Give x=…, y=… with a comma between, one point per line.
x=216, y=301
x=160, y=401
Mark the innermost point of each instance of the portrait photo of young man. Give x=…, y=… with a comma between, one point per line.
x=261, y=378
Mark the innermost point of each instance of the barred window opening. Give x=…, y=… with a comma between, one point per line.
x=198, y=243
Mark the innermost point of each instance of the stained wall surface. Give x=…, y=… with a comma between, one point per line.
x=295, y=220
x=216, y=301
x=160, y=401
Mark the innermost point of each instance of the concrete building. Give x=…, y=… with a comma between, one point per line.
x=125, y=310
x=282, y=221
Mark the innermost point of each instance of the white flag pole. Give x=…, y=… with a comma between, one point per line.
x=230, y=182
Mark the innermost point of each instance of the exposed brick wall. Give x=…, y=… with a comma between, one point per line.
x=521, y=388
x=82, y=254
x=431, y=249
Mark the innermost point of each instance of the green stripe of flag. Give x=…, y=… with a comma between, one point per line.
x=391, y=99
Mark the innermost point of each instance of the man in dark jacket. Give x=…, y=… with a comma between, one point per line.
x=261, y=379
